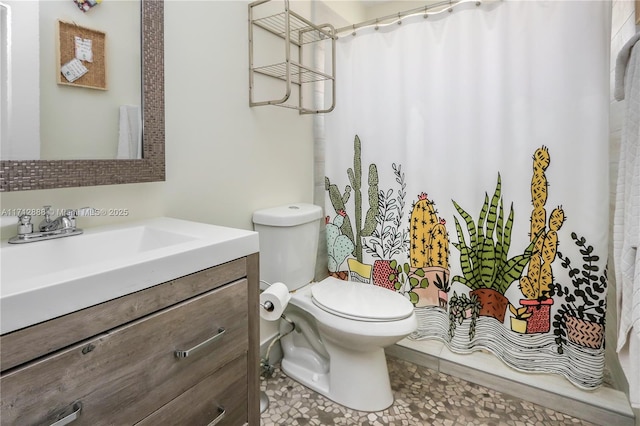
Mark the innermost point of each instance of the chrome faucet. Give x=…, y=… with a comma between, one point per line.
x=63, y=222
x=49, y=228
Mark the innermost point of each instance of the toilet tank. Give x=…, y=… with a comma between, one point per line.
x=288, y=243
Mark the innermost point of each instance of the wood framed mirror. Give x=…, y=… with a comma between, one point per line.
x=49, y=174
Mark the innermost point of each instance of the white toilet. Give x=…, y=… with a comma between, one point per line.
x=341, y=327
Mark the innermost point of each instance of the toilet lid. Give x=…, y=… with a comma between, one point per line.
x=358, y=301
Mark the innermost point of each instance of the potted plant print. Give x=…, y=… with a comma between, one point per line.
x=443, y=285
x=581, y=316
x=519, y=318
x=461, y=308
x=388, y=239
x=483, y=257
x=407, y=280
x=339, y=201
x=339, y=246
x=536, y=285
x=429, y=250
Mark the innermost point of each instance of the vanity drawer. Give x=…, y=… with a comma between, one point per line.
x=41, y=339
x=124, y=375
x=219, y=399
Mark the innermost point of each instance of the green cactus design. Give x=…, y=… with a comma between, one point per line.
x=537, y=283
x=483, y=259
x=339, y=200
x=429, y=236
x=339, y=246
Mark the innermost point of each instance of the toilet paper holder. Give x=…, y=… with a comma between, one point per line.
x=268, y=306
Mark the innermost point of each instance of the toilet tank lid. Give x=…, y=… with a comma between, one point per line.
x=288, y=215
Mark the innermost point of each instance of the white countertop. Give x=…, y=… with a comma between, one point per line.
x=46, y=279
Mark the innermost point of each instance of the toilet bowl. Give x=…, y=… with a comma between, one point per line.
x=341, y=330
x=341, y=327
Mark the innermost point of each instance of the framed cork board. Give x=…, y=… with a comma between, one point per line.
x=91, y=60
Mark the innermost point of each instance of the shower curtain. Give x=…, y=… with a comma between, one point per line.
x=467, y=169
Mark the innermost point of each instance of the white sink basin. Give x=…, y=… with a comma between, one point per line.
x=45, y=279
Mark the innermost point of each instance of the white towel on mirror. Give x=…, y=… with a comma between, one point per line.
x=130, y=133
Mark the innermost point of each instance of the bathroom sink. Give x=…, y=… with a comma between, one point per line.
x=45, y=279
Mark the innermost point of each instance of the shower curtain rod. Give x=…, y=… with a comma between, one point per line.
x=398, y=17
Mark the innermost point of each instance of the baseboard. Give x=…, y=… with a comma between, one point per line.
x=604, y=406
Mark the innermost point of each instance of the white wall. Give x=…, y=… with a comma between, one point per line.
x=227, y=159
x=224, y=160
x=349, y=11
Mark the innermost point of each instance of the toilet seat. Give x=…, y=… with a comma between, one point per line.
x=359, y=301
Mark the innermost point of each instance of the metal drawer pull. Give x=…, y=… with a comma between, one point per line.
x=71, y=417
x=184, y=354
x=221, y=413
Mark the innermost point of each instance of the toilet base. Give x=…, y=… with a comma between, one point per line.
x=357, y=380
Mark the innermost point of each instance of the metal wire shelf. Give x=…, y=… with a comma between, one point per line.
x=300, y=30
x=298, y=73
x=295, y=31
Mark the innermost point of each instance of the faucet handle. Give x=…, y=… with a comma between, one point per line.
x=24, y=224
x=82, y=211
x=71, y=215
x=48, y=211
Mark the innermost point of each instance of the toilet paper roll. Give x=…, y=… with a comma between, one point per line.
x=278, y=295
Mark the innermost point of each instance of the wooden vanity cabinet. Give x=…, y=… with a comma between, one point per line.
x=185, y=352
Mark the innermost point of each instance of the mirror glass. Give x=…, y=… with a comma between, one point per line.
x=20, y=175
x=47, y=116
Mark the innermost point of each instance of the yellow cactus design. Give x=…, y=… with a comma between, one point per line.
x=438, y=248
x=537, y=282
x=429, y=237
x=539, y=187
x=550, y=246
x=423, y=219
x=557, y=219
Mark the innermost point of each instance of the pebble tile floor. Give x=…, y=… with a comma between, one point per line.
x=422, y=397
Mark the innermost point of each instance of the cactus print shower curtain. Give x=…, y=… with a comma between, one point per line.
x=467, y=169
